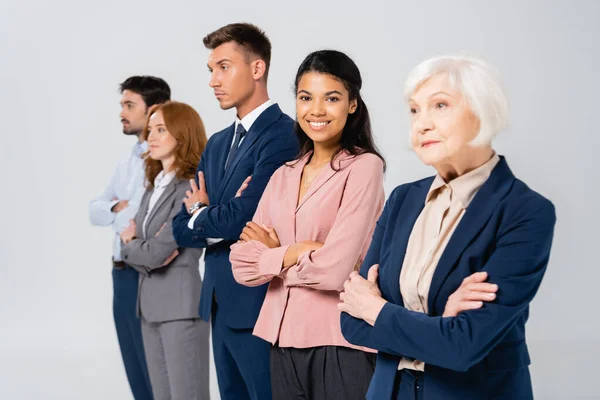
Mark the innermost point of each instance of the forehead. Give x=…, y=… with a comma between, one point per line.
x=156, y=119
x=432, y=85
x=316, y=82
x=230, y=50
x=129, y=96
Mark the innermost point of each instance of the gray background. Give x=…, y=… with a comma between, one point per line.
x=60, y=65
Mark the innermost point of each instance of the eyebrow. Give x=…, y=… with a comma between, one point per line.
x=221, y=61
x=326, y=94
x=127, y=102
x=440, y=92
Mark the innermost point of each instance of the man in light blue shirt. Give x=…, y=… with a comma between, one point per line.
x=115, y=207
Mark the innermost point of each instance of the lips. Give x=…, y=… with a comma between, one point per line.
x=429, y=143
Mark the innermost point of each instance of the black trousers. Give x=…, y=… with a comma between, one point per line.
x=408, y=385
x=320, y=373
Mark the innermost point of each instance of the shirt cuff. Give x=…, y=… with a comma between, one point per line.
x=193, y=219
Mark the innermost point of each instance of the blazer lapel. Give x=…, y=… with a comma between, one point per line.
x=476, y=216
x=169, y=190
x=221, y=158
x=141, y=214
x=266, y=119
x=405, y=221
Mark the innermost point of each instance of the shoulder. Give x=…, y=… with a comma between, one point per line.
x=525, y=203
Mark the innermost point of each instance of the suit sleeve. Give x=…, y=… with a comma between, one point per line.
x=357, y=331
x=153, y=252
x=517, y=265
x=227, y=220
x=254, y=263
x=329, y=267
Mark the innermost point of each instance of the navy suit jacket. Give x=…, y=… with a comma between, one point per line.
x=480, y=354
x=268, y=144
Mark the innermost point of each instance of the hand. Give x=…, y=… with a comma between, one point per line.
x=171, y=258
x=470, y=295
x=243, y=187
x=266, y=236
x=198, y=192
x=128, y=233
x=361, y=297
x=120, y=206
x=294, y=252
x=160, y=230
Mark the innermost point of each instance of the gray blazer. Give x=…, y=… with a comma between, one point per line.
x=171, y=292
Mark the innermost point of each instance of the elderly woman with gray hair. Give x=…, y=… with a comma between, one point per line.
x=473, y=230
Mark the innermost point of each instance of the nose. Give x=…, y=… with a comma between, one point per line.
x=317, y=108
x=214, y=81
x=122, y=113
x=423, y=123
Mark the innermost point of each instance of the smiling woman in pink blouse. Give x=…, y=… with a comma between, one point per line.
x=312, y=228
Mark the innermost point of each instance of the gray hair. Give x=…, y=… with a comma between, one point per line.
x=478, y=82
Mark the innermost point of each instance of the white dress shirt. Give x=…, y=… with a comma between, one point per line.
x=247, y=123
x=127, y=183
x=161, y=182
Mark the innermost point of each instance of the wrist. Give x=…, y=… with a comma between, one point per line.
x=373, y=310
x=196, y=206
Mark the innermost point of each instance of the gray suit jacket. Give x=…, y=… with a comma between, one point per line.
x=171, y=292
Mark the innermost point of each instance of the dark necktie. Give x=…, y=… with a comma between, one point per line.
x=239, y=134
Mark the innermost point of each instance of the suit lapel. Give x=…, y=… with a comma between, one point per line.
x=409, y=212
x=221, y=155
x=476, y=216
x=141, y=214
x=169, y=190
x=264, y=120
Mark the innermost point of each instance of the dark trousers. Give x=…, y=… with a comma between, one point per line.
x=241, y=362
x=320, y=373
x=408, y=385
x=129, y=331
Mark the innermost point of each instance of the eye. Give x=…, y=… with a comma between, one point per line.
x=413, y=110
x=304, y=98
x=129, y=106
x=333, y=99
x=161, y=130
x=224, y=67
x=441, y=105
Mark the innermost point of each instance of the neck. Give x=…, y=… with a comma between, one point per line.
x=167, y=164
x=464, y=162
x=323, y=153
x=257, y=98
x=140, y=137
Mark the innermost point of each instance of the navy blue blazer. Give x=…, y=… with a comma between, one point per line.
x=268, y=144
x=480, y=354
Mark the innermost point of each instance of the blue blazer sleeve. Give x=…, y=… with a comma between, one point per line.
x=517, y=265
x=355, y=330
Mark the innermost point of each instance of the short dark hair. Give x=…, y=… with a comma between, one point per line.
x=252, y=39
x=152, y=89
x=357, y=137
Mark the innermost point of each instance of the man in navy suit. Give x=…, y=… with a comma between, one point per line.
x=244, y=155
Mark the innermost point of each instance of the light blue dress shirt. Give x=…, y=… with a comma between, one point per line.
x=127, y=183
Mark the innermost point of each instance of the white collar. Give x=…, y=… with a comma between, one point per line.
x=253, y=115
x=162, y=179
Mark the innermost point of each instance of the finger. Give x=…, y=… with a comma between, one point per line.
x=475, y=278
x=244, y=237
x=482, y=287
x=342, y=296
x=250, y=233
x=188, y=193
x=469, y=305
x=479, y=296
x=354, y=276
x=201, y=184
x=255, y=227
x=373, y=273
x=193, y=186
x=247, y=180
